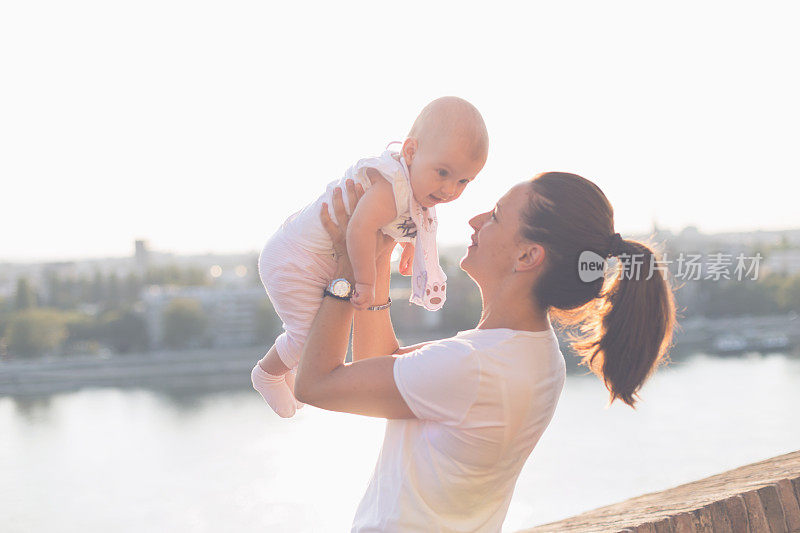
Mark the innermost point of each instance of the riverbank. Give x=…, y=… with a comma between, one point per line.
x=189, y=369
x=229, y=368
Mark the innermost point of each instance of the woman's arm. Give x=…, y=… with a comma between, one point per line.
x=364, y=387
x=373, y=333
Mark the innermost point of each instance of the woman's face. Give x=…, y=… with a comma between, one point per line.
x=495, y=242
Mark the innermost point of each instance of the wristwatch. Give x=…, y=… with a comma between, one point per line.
x=339, y=288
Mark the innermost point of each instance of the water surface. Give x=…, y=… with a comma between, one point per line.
x=132, y=460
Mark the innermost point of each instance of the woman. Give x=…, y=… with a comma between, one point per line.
x=466, y=412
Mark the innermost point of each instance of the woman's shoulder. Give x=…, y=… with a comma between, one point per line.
x=477, y=340
x=455, y=345
x=516, y=350
x=463, y=350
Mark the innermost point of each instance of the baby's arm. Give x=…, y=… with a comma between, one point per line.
x=374, y=210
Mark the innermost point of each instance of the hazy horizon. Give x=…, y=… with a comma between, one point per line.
x=257, y=249
x=202, y=127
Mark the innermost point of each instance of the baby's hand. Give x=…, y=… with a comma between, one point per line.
x=364, y=296
x=406, y=258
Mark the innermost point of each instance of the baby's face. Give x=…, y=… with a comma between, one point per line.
x=440, y=171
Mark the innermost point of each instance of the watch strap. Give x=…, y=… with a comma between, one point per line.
x=343, y=298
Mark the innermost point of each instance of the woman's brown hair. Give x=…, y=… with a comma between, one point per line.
x=625, y=318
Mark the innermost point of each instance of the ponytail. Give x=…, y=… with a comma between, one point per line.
x=625, y=319
x=627, y=335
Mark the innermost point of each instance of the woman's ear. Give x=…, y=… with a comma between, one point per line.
x=409, y=149
x=531, y=256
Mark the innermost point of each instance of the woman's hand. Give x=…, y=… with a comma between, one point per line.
x=338, y=232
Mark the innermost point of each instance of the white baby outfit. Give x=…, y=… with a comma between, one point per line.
x=297, y=263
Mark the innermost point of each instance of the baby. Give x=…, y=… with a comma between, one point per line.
x=444, y=151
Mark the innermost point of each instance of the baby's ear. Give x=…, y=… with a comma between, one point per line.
x=409, y=149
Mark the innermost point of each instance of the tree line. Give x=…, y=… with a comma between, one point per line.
x=85, y=314
x=70, y=314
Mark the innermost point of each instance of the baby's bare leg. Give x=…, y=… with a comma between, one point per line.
x=272, y=363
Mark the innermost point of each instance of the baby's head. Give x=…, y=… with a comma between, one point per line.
x=445, y=149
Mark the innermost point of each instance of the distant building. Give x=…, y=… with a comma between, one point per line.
x=141, y=257
x=232, y=312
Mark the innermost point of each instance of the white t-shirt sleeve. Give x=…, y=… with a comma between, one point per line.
x=439, y=381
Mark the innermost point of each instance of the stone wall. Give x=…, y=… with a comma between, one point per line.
x=759, y=497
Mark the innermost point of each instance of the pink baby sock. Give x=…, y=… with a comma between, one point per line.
x=275, y=391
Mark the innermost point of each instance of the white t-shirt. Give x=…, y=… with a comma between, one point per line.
x=482, y=400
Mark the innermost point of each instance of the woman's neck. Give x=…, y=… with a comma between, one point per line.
x=507, y=306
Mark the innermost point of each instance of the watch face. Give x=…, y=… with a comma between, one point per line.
x=341, y=288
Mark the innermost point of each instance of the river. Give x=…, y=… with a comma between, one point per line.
x=133, y=460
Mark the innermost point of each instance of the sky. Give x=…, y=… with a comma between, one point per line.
x=200, y=126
